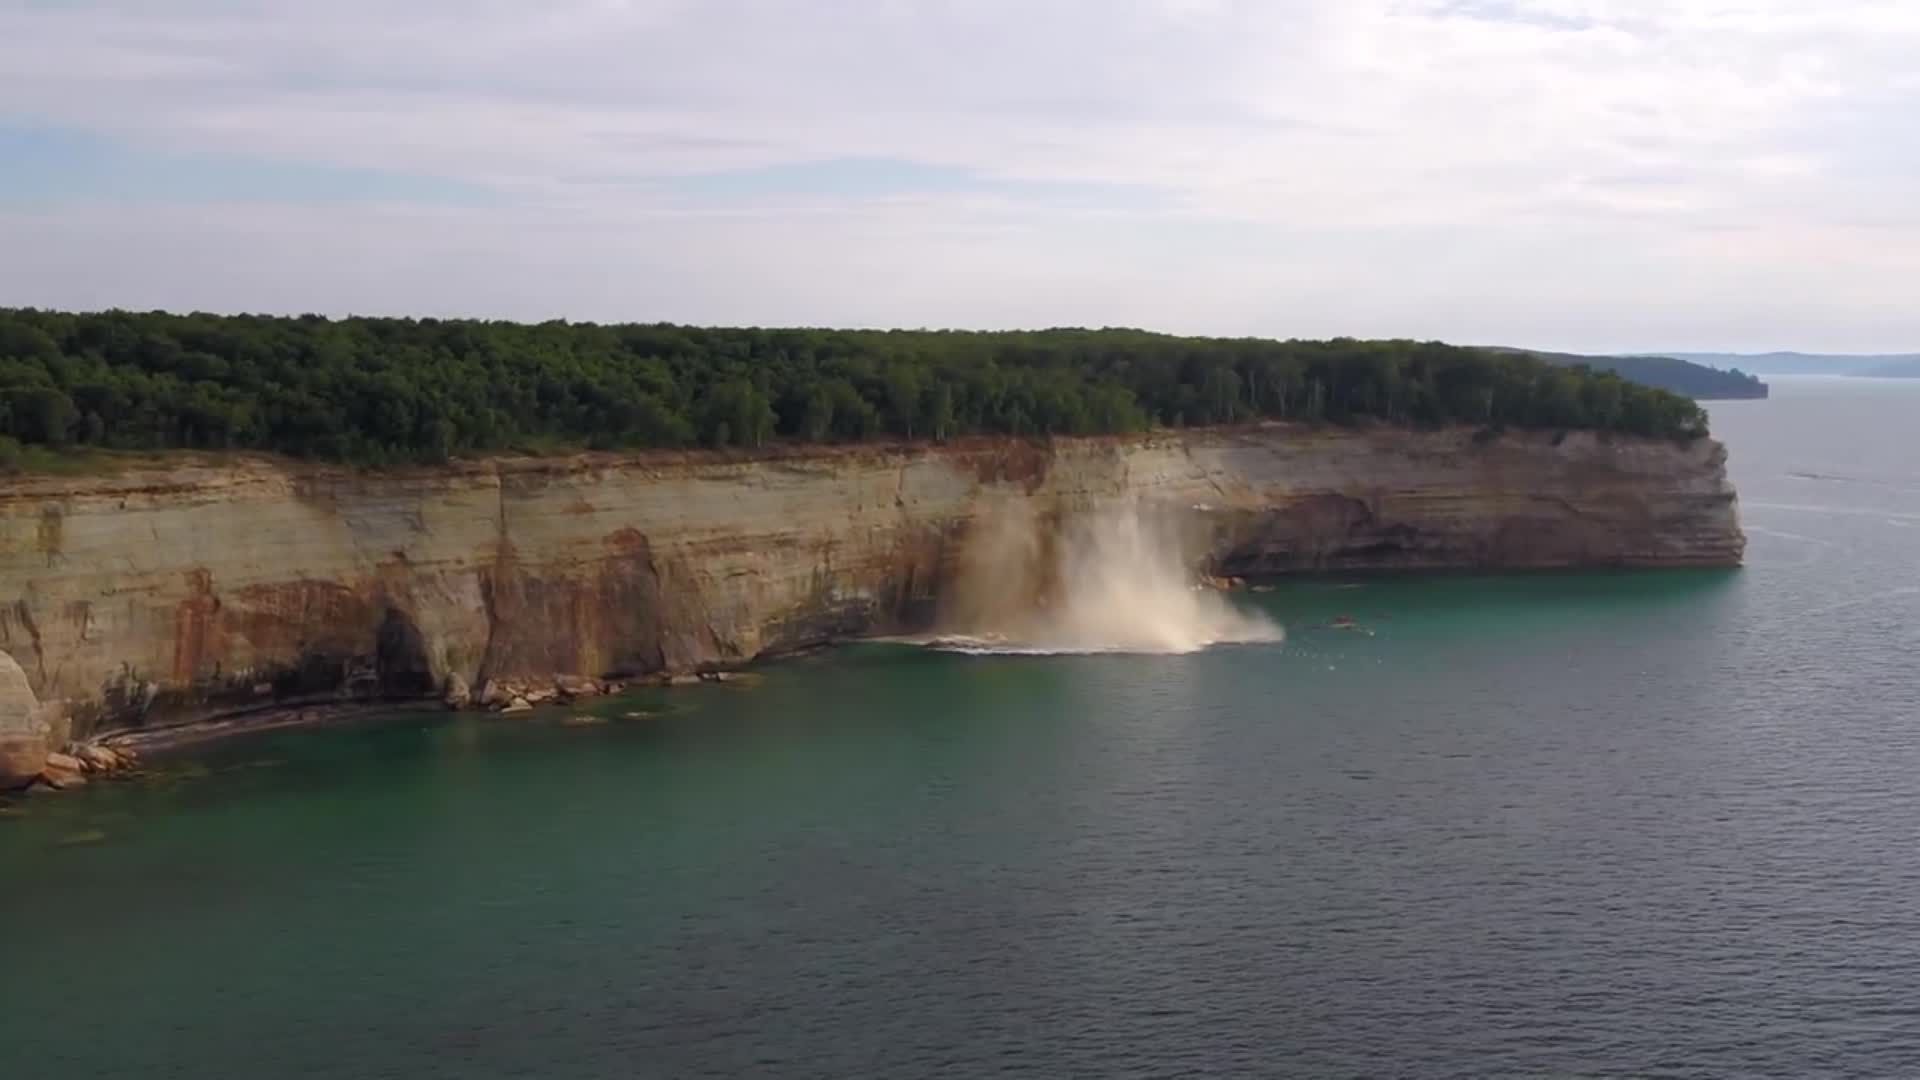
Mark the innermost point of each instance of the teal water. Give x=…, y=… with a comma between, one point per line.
x=1650, y=824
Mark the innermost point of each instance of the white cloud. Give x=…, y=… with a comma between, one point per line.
x=1581, y=173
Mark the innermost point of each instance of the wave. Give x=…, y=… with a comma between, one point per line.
x=988, y=645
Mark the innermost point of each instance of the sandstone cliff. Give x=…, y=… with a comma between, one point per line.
x=170, y=590
x=24, y=732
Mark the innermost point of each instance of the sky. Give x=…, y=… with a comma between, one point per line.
x=1590, y=175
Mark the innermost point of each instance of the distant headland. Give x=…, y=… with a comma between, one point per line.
x=1695, y=377
x=1868, y=365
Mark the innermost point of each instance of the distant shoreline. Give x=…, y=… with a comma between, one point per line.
x=1862, y=376
x=1785, y=363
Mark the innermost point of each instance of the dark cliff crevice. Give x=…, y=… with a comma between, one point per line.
x=23, y=612
x=401, y=666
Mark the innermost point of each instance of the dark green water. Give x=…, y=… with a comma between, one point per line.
x=1660, y=824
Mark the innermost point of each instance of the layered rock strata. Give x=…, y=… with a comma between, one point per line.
x=183, y=588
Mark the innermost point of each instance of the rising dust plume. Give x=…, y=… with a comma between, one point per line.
x=1118, y=579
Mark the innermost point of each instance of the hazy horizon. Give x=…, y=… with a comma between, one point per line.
x=1592, y=176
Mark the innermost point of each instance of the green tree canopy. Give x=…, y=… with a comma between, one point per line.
x=376, y=391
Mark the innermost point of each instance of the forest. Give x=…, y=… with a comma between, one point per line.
x=376, y=391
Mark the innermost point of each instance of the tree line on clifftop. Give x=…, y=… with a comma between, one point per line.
x=383, y=391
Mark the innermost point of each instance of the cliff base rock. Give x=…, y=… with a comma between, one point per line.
x=24, y=735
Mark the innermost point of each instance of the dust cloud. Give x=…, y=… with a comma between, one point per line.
x=1118, y=579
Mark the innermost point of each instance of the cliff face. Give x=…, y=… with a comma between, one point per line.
x=169, y=590
x=24, y=733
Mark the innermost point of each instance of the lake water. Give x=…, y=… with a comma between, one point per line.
x=1653, y=824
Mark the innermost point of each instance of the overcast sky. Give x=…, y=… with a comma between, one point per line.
x=1581, y=174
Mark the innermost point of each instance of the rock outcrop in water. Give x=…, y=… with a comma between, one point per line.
x=171, y=591
x=24, y=735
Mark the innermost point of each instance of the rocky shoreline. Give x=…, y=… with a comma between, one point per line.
x=121, y=752
x=523, y=695
x=71, y=766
